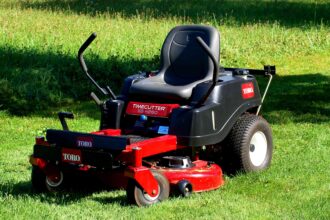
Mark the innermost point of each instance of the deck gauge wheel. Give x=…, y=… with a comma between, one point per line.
x=136, y=195
x=42, y=183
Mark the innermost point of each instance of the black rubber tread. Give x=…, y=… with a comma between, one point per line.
x=38, y=179
x=135, y=194
x=237, y=144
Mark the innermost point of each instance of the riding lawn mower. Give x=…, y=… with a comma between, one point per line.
x=168, y=130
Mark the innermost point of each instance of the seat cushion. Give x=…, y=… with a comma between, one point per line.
x=156, y=87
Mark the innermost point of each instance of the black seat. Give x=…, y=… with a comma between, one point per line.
x=184, y=64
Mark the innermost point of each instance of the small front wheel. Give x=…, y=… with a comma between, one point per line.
x=55, y=182
x=38, y=179
x=136, y=195
x=42, y=182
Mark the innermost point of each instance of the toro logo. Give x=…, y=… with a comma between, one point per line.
x=85, y=142
x=247, y=90
x=71, y=156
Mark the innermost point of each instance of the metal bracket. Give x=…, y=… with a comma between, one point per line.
x=266, y=90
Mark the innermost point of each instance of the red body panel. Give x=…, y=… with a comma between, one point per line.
x=146, y=148
x=134, y=154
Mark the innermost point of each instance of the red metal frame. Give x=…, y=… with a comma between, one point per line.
x=143, y=176
x=202, y=176
x=135, y=153
x=108, y=132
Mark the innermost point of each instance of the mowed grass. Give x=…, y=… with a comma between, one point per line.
x=38, y=44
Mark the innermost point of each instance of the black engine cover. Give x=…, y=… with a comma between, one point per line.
x=211, y=123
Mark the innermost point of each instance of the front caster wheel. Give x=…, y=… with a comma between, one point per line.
x=185, y=188
x=42, y=182
x=250, y=144
x=136, y=195
x=38, y=179
x=55, y=182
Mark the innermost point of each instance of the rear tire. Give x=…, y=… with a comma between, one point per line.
x=136, y=195
x=249, y=144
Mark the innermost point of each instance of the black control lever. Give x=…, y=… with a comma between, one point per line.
x=83, y=65
x=62, y=116
x=215, y=69
x=96, y=99
x=82, y=50
x=110, y=92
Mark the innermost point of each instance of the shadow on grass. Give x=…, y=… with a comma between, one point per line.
x=298, y=98
x=74, y=192
x=42, y=84
x=288, y=13
x=25, y=189
x=31, y=81
x=121, y=200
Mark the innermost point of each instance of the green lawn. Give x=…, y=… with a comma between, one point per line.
x=38, y=67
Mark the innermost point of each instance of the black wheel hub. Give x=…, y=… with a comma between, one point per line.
x=252, y=147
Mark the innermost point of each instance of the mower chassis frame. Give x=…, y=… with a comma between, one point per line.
x=132, y=156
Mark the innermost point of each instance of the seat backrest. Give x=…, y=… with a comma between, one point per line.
x=183, y=61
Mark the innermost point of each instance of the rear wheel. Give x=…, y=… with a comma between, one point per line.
x=136, y=195
x=249, y=144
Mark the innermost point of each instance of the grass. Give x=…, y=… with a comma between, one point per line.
x=38, y=44
x=39, y=41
